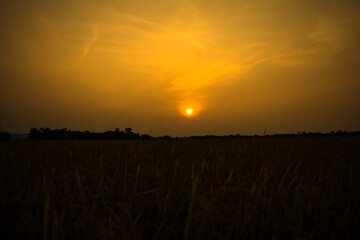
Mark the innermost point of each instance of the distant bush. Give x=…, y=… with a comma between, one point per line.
x=5, y=136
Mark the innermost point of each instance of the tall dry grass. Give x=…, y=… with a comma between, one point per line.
x=255, y=188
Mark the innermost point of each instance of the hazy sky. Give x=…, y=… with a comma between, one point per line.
x=241, y=65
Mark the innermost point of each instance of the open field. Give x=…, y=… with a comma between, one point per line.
x=253, y=188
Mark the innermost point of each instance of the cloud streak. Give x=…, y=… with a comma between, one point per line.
x=91, y=42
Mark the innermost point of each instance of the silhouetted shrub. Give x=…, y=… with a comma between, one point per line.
x=5, y=136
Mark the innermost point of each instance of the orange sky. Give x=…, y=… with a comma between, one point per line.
x=242, y=66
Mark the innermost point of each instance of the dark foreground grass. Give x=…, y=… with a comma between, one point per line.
x=256, y=188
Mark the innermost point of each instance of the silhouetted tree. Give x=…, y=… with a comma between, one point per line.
x=128, y=131
x=61, y=134
x=34, y=134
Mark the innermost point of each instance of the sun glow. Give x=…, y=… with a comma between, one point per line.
x=190, y=108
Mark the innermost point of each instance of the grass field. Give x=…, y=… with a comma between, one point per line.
x=251, y=188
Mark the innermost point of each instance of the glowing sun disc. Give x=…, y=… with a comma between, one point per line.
x=189, y=111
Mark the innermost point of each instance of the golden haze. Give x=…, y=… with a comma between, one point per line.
x=242, y=66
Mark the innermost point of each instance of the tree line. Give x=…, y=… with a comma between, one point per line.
x=127, y=133
x=338, y=133
x=66, y=134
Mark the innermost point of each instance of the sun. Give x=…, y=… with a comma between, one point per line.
x=189, y=111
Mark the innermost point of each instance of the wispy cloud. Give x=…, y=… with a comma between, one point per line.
x=88, y=46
